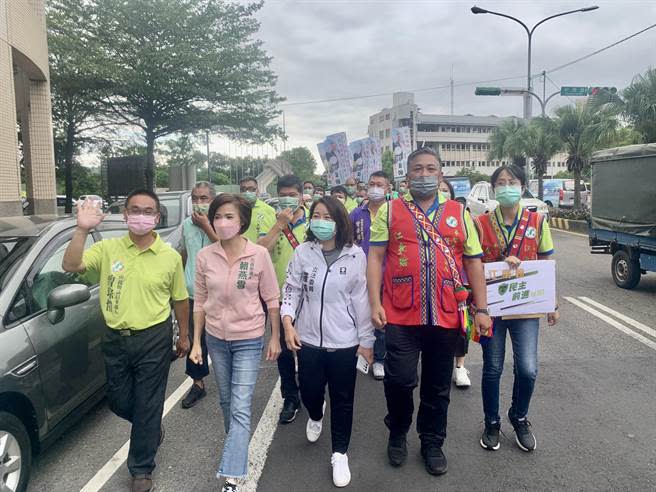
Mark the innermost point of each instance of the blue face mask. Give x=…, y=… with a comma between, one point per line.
x=322, y=229
x=508, y=196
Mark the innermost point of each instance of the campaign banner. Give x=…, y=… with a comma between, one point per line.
x=527, y=289
x=401, y=148
x=336, y=158
x=366, y=156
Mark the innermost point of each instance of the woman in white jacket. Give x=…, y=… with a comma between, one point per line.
x=325, y=298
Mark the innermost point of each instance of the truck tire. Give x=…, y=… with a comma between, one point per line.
x=15, y=453
x=625, y=270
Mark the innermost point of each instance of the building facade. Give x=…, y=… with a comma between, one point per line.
x=25, y=108
x=462, y=141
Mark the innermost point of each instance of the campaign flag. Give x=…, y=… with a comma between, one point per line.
x=374, y=160
x=336, y=158
x=360, y=156
x=401, y=148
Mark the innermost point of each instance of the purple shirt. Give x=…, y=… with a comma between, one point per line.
x=361, y=222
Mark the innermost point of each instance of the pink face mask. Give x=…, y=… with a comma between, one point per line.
x=226, y=229
x=141, y=224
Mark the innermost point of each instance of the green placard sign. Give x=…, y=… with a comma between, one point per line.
x=487, y=91
x=574, y=91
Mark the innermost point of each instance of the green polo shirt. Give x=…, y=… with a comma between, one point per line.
x=136, y=287
x=282, y=252
x=263, y=218
x=350, y=204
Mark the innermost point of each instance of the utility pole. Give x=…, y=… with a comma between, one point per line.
x=284, y=133
x=451, y=84
x=207, y=143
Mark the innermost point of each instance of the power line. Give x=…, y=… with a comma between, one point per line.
x=600, y=50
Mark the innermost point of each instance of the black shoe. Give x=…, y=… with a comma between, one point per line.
x=434, y=459
x=523, y=435
x=289, y=411
x=397, y=450
x=195, y=393
x=490, y=438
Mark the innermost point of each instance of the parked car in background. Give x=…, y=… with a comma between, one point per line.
x=481, y=200
x=461, y=187
x=51, y=364
x=559, y=193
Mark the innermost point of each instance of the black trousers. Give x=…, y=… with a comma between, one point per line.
x=462, y=345
x=193, y=370
x=437, y=347
x=287, y=370
x=137, y=371
x=337, y=368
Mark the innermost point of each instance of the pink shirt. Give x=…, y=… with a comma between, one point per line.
x=229, y=295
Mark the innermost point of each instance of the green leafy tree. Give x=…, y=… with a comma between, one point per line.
x=171, y=66
x=584, y=128
x=388, y=163
x=509, y=142
x=302, y=162
x=542, y=143
x=639, y=106
x=473, y=175
x=75, y=108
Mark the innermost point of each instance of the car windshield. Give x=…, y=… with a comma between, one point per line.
x=527, y=194
x=12, y=252
x=170, y=211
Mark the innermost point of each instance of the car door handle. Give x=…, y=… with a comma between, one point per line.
x=26, y=367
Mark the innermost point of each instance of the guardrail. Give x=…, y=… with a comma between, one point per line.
x=580, y=226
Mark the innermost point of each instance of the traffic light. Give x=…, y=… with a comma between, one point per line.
x=488, y=91
x=595, y=91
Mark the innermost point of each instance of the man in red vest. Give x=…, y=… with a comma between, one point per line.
x=431, y=250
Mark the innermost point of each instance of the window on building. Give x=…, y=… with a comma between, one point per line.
x=387, y=116
x=387, y=133
x=381, y=134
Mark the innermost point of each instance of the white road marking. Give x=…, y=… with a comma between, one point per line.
x=624, y=329
x=626, y=319
x=261, y=440
x=107, y=471
x=569, y=232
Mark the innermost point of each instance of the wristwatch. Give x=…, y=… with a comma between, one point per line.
x=482, y=311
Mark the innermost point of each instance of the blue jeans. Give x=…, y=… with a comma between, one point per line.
x=235, y=366
x=379, y=346
x=524, y=338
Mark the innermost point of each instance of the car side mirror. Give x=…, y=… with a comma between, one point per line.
x=65, y=296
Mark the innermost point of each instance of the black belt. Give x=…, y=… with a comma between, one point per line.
x=128, y=332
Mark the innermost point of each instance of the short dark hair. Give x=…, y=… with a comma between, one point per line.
x=338, y=189
x=514, y=170
x=343, y=229
x=246, y=179
x=290, y=181
x=423, y=151
x=308, y=182
x=243, y=207
x=319, y=187
x=380, y=174
x=144, y=192
x=452, y=193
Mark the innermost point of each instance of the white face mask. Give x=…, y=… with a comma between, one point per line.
x=376, y=194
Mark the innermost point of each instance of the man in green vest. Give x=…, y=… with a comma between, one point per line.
x=263, y=216
x=351, y=186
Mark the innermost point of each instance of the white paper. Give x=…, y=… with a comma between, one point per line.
x=529, y=289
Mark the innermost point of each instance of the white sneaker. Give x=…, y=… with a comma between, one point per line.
x=461, y=377
x=314, y=427
x=379, y=370
x=341, y=472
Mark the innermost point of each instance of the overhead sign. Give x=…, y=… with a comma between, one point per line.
x=585, y=91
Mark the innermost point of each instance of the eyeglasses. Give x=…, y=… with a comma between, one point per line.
x=149, y=212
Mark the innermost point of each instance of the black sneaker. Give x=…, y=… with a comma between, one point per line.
x=397, y=450
x=490, y=438
x=289, y=411
x=195, y=393
x=434, y=459
x=523, y=435
x=229, y=487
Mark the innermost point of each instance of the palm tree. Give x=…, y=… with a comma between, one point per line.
x=509, y=141
x=542, y=143
x=584, y=128
x=640, y=104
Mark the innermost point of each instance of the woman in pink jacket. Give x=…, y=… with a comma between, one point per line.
x=232, y=275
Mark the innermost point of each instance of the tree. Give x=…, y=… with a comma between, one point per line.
x=388, y=163
x=640, y=104
x=75, y=108
x=302, y=162
x=473, y=175
x=584, y=128
x=172, y=66
x=542, y=143
x=509, y=141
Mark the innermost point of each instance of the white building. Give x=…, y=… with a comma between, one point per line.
x=460, y=140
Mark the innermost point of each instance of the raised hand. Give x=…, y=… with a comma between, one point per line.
x=89, y=215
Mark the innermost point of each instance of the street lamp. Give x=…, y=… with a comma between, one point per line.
x=529, y=32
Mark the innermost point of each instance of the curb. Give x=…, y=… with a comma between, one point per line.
x=580, y=226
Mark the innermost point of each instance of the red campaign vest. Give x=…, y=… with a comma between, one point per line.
x=416, y=272
x=528, y=233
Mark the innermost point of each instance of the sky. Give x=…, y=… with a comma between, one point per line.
x=325, y=49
